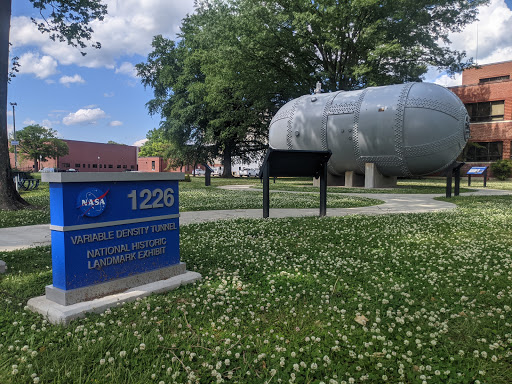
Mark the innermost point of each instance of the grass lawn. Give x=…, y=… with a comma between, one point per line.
x=194, y=196
x=420, y=186
x=416, y=298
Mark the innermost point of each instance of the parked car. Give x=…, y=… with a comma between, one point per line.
x=199, y=172
x=217, y=171
x=71, y=170
x=249, y=172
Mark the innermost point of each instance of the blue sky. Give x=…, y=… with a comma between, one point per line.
x=98, y=98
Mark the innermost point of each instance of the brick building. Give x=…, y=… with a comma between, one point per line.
x=86, y=156
x=487, y=93
x=158, y=164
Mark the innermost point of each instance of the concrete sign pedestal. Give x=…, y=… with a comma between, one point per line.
x=111, y=232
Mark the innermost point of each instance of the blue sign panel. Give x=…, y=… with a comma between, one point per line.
x=107, y=230
x=476, y=170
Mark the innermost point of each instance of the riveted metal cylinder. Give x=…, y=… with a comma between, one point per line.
x=407, y=129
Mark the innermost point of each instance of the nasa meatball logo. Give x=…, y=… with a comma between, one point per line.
x=92, y=202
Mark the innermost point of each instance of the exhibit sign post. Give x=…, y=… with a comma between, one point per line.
x=111, y=232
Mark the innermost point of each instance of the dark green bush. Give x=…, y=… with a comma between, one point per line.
x=502, y=169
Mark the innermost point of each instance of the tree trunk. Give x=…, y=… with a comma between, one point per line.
x=9, y=197
x=226, y=162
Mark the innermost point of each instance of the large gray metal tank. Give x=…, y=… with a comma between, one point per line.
x=406, y=130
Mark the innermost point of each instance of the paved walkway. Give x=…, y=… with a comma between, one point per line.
x=36, y=235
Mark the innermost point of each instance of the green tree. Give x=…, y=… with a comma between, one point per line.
x=114, y=142
x=212, y=90
x=64, y=20
x=40, y=143
x=355, y=44
x=156, y=145
x=238, y=61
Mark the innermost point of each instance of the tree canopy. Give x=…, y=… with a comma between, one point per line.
x=237, y=61
x=40, y=143
x=63, y=20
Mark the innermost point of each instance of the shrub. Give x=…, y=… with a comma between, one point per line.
x=187, y=179
x=502, y=169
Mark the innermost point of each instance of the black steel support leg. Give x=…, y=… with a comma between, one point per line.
x=449, y=184
x=469, y=180
x=457, y=182
x=266, y=193
x=485, y=178
x=323, y=190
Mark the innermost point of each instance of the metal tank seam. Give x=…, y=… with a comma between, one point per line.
x=427, y=149
x=289, y=135
x=398, y=129
x=434, y=105
x=355, y=130
x=323, y=127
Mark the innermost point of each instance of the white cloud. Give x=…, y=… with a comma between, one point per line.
x=491, y=35
x=67, y=80
x=140, y=143
x=494, y=41
x=84, y=116
x=29, y=122
x=109, y=94
x=115, y=123
x=123, y=32
x=48, y=123
x=127, y=69
x=40, y=66
x=447, y=81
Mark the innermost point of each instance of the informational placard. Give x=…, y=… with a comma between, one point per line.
x=476, y=171
x=111, y=226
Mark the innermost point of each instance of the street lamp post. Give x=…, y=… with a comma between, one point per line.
x=15, y=143
x=98, y=164
x=14, y=134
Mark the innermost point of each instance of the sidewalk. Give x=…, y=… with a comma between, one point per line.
x=37, y=235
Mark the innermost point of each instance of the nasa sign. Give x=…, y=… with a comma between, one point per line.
x=92, y=202
x=112, y=231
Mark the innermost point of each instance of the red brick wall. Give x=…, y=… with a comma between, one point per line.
x=501, y=90
x=472, y=92
x=112, y=158
x=473, y=75
x=146, y=165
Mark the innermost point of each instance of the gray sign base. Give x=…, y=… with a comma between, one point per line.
x=78, y=295
x=62, y=314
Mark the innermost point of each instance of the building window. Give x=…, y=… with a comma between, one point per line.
x=483, y=151
x=95, y=165
x=88, y=165
x=118, y=166
x=101, y=165
x=124, y=166
x=153, y=165
x=84, y=165
x=497, y=78
x=110, y=166
x=77, y=165
x=132, y=167
x=486, y=111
